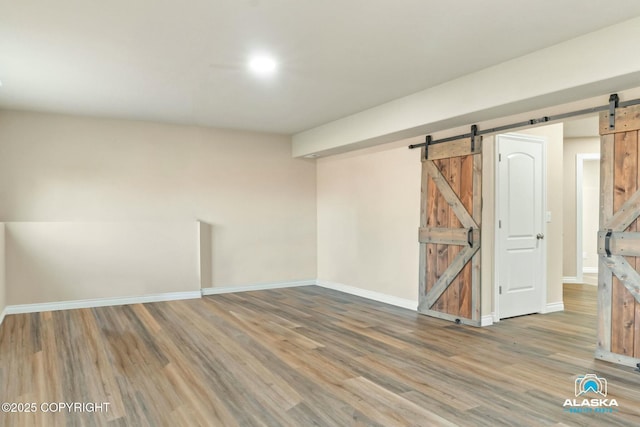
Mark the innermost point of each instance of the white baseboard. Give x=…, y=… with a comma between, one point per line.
x=2, y=314
x=372, y=295
x=99, y=302
x=570, y=279
x=590, y=270
x=487, y=320
x=552, y=307
x=256, y=287
x=495, y=317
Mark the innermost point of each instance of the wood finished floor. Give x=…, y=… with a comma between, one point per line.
x=303, y=357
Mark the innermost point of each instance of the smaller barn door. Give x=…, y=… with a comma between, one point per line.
x=449, y=232
x=619, y=238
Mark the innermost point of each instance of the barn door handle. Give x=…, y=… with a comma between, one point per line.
x=607, y=243
x=540, y=236
x=470, y=237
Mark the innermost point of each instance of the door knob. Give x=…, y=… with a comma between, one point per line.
x=540, y=236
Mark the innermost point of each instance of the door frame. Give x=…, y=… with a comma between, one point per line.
x=496, y=238
x=580, y=158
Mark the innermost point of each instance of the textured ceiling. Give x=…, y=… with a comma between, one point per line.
x=184, y=62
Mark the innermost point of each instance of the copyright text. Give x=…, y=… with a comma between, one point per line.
x=67, y=407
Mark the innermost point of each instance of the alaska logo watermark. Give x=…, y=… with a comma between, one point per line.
x=591, y=396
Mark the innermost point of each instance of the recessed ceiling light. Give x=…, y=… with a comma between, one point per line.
x=263, y=65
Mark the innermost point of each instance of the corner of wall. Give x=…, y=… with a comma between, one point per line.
x=205, y=256
x=3, y=287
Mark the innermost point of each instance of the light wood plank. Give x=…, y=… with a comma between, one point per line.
x=636, y=327
x=457, y=148
x=446, y=236
x=605, y=280
x=625, y=185
x=620, y=243
x=214, y=412
x=404, y=412
x=451, y=272
x=449, y=195
x=100, y=359
x=465, y=283
x=627, y=213
x=446, y=316
x=443, y=209
x=432, y=221
x=632, y=313
x=626, y=274
x=616, y=358
x=627, y=119
x=476, y=284
x=471, y=200
x=452, y=293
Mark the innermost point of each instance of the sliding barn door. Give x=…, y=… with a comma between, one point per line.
x=450, y=230
x=619, y=238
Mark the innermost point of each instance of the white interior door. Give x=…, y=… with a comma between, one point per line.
x=520, y=231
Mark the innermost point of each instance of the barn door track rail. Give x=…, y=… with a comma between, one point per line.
x=614, y=102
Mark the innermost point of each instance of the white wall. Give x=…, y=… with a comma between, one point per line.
x=3, y=289
x=590, y=214
x=572, y=147
x=368, y=219
x=63, y=261
x=258, y=200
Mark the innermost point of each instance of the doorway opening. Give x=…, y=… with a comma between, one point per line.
x=571, y=214
x=587, y=210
